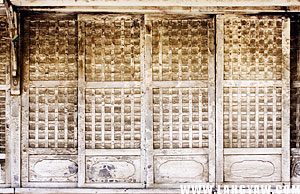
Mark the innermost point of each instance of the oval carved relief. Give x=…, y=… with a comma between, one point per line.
x=181, y=169
x=252, y=169
x=296, y=169
x=110, y=170
x=55, y=168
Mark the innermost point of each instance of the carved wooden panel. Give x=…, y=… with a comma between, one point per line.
x=112, y=47
x=181, y=169
x=113, y=118
x=57, y=168
x=180, y=49
x=49, y=100
x=252, y=168
x=52, y=42
x=111, y=100
x=252, y=117
x=53, y=117
x=182, y=99
x=180, y=118
x=113, y=169
x=253, y=93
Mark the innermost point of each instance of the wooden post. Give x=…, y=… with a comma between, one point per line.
x=219, y=97
x=148, y=102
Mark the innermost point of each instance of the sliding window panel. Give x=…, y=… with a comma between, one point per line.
x=181, y=82
x=111, y=127
x=49, y=101
x=253, y=93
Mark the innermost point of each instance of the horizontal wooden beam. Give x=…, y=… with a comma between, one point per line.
x=155, y=3
x=167, y=9
x=89, y=191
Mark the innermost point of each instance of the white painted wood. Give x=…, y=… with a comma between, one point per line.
x=53, y=83
x=112, y=152
x=254, y=83
x=144, y=107
x=2, y=156
x=219, y=97
x=16, y=153
x=187, y=151
x=265, y=158
x=286, y=101
x=212, y=104
x=238, y=151
x=81, y=104
x=7, y=190
x=252, y=168
x=114, y=84
x=179, y=84
x=88, y=191
x=148, y=103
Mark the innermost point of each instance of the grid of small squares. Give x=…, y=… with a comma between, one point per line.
x=4, y=49
x=253, y=48
x=180, y=118
x=252, y=117
x=52, y=47
x=180, y=49
x=2, y=121
x=52, y=117
x=112, y=49
x=113, y=118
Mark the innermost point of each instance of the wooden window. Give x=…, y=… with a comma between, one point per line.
x=49, y=100
x=252, y=99
x=130, y=101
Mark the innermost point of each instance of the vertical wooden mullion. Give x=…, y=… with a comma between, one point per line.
x=219, y=96
x=25, y=106
x=81, y=102
x=212, y=103
x=144, y=129
x=8, y=129
x=148, y=102
x=286, y=100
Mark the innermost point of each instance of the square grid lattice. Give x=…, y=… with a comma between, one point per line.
x=252, y=117
x=180, y=118
x=113, y=118
x=53, y=117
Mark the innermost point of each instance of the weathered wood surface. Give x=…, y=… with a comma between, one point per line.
x=154, y=3
x=5, y=108
x=49, y=108
x=138, y=108
x=254, y=112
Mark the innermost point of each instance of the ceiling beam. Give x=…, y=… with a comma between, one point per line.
x=256, y=3
x=168, y=9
